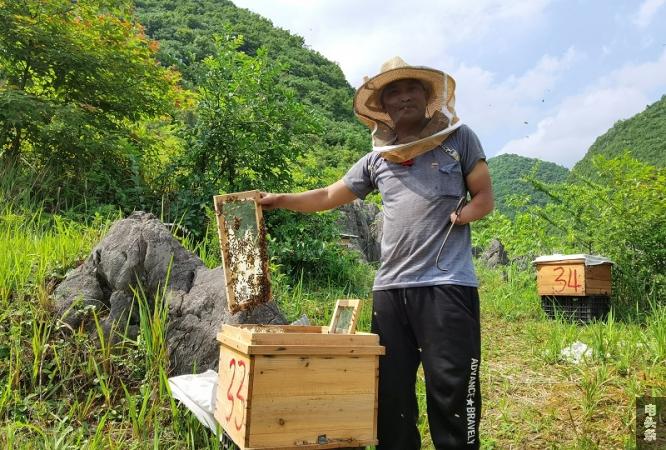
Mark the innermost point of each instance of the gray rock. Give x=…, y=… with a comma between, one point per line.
x=377, y=230
x=140, y=254
x=495, y=255
x=358, y=224
x=121, y=307
x=82, y=291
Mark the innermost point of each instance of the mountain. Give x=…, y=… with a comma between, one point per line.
x=507, y=171
x=643, y=136
x=186, y=32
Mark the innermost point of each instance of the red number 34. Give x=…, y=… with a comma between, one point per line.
x=568, y=282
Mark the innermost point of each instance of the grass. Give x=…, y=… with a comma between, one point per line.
x=61, y=389
x=534, y=398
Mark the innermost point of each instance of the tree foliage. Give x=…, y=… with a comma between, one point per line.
x=75, y=78
x=248, y=131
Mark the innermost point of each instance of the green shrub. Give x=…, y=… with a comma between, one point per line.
x=245, y=134
x=621, y=215
x=308, y=246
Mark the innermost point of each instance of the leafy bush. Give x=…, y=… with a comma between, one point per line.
x=75, y=77
x=621, y=215
x=244, y=136
x=307, y=246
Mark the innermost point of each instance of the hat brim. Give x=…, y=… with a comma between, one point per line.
x=440, y=88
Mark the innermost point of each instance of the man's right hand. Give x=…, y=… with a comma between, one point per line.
x=269, y=201
x=323, y=199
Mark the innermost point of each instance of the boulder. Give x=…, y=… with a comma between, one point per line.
x=358, y=222
x=495, y=255
x=140, y=254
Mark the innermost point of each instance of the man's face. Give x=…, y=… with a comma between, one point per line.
x=405, y=102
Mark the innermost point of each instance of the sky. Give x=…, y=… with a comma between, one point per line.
x=538, y=78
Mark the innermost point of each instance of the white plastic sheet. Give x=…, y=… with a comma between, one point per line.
x=197, y=393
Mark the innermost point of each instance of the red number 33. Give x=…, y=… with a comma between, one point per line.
x=232, y=365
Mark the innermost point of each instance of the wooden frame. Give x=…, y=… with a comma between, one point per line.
x=344, y=317
x=244, y=260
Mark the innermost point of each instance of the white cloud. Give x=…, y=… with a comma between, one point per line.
x=493, y=105
x=361, y=35
x=551, y=111
x=646, y=12
x=565, y=136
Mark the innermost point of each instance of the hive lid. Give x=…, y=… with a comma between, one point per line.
x=589, y=260
x=288, y=339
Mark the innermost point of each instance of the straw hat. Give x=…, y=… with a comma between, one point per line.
x=440, y=109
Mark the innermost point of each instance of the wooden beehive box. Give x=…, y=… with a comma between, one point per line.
x=573, y=275
x=297, y=387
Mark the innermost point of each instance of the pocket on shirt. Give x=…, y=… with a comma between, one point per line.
x=452, y=182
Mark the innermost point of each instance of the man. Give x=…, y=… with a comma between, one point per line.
x=425, y=300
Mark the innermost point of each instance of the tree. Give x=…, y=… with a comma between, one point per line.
x=75, y=77
x=249, y=130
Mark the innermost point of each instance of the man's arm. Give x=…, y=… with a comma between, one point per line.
x=322, y=199
x=480, y=187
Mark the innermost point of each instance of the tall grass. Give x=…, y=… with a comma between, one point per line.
x=63, y=388
x=299, y=297
x=510, y=293
x=36, y=250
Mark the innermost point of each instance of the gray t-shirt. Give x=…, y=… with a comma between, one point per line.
x=418, y=201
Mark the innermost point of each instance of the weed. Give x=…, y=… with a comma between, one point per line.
x=592, y=385
x=559, y=333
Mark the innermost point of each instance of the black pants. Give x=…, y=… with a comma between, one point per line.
x=439, y=327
